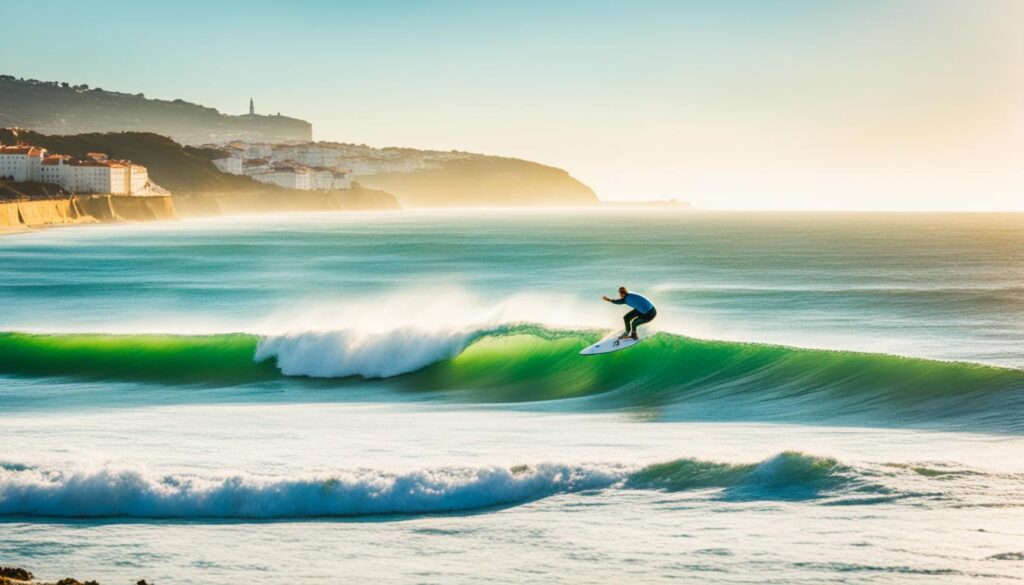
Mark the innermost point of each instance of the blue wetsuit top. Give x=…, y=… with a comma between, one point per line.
x=638, y=302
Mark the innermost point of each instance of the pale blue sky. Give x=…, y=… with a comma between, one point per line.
x=758, y=104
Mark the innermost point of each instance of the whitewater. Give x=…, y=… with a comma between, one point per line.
x=823, y=397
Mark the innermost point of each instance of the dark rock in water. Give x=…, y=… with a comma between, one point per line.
x=14, y=573
x=16, y=576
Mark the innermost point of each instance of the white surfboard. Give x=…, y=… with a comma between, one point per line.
x=610, y=344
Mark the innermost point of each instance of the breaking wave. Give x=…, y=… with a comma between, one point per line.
x=675, y=375
x=130, y=493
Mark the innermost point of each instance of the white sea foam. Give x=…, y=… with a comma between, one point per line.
x=335, y=354
x=402, y=332
x=113, y=492
x=135, y=492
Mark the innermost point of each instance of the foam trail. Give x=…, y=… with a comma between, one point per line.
x=136, y=493
x=337, y=354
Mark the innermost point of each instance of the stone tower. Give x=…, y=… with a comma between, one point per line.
x=252, y=110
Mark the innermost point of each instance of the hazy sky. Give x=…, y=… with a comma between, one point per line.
x=728, y=104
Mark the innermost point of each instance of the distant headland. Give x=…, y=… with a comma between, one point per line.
x=207, y=163
x=57, y=107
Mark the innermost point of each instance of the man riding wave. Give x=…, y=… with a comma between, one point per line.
x=643, y=311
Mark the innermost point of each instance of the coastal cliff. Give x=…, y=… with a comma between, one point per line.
x=91, y=209
x=479, y=180
x=84, y=209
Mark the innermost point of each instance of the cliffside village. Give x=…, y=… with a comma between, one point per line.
x=287, y=166
x=321, y=165
x=318, y=165
x=292, y=165
x=94, y=174
x=284, y=166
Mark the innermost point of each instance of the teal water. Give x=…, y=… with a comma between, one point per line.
x=823, y=397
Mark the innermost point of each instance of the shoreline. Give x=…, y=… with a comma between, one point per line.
x=25, y=215
x=21, y=215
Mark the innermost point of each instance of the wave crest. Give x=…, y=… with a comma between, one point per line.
x=669, y=375
x=339, y=354
x=132, y=493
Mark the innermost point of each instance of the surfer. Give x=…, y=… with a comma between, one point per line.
x=643, y=310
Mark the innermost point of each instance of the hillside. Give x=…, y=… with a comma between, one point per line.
x=478, y=180
x=416, y=178
x=177, y=168
x=54, y=107
x=76, y=119
x=199, y=188
x=421, y=178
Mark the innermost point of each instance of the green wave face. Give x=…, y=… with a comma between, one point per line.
x=173, y=359
x=787, y=470
x=667, y=376
x=671, y=376
x=667, y=365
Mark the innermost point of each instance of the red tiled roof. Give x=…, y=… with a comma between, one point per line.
x=54, y=159
x=21, y=149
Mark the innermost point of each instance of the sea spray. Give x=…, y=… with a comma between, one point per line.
x=338, y=354
x=402, y=332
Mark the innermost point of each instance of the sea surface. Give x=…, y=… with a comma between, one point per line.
x=398, y=398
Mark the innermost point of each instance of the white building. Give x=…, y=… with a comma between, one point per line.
x=93, y=176
x=55, y=169
x=21, y=163
x=310, y=155
x=289, y=177
x=96, y=174
x=306, y=166
x=231, y=165
x=258, y=150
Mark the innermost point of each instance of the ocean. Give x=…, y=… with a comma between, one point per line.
x=398, y=398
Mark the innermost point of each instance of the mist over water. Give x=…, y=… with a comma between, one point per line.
x=805, y=371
